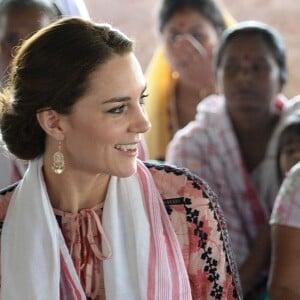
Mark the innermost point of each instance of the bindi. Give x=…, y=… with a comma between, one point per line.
x=246, y=57
x=181, y=24
x=181, y=13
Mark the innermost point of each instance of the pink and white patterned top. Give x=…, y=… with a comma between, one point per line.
x=197, y=221
x=286, y=209
x=208, y=147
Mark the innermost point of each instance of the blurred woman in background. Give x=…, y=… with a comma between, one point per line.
x=232, y=142
x=181, y=72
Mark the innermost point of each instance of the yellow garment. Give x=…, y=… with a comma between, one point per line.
x=160, y=84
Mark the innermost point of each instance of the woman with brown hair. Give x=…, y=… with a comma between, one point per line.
x=89, y=220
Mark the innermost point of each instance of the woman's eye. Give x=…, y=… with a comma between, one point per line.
x=231, y=68
x=198, y=36
x=260, y=68
x=118, y=109
x=174, y=36
x=289, y=150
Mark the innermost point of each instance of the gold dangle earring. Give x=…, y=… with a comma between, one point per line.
x=58, y=164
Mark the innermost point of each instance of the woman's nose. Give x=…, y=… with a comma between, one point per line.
x=245, y=73
x=141, y=123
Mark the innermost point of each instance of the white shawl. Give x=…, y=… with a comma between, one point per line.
x=146, y=262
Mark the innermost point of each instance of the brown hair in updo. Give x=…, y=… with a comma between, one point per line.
x=51, y=70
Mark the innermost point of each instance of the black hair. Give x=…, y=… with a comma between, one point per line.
x=272, y=38
x=207, y=8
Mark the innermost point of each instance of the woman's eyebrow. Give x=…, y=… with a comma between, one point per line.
x=122, y=99
x=117, y=99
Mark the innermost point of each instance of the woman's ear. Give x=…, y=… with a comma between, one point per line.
x=49, y=120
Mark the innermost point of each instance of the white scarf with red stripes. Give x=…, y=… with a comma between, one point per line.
x=146, y=261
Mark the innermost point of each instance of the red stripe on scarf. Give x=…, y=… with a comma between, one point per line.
x=160, y=286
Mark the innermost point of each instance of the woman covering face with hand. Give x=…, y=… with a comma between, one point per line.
x=181, y=72
x=89, y=220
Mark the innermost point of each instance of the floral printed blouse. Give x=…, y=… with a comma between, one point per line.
x=198, y=223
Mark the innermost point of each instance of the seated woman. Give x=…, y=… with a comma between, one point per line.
x=89, y=220
x=181, y=72
x=19, y=19
x=232, y=142
x=285, y=225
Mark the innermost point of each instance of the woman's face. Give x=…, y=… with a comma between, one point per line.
x=248, y=76
x=184, y=31
x=16, y=25
x=102, y=133
x=290, y=152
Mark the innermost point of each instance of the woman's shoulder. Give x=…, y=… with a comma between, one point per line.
x=181, y=188
x=196, y=216
x=213, y=104
x=5, y=196
x=171, y=180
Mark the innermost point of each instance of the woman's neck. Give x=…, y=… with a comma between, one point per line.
x=253, y=139
x=255, y=123
x=72, y=191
